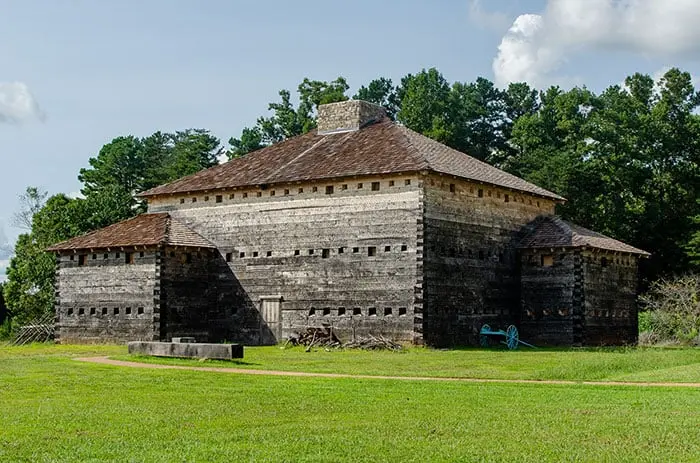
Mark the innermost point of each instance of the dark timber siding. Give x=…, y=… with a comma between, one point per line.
x=610, y=290
x=470, y=271
x=107, y=299
x=547, y=297
x=343, y=256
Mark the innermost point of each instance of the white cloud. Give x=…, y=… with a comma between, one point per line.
x=17, y=104
x=536, y=45
x=495, y=20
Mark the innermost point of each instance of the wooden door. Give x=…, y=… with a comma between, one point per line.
x=271, y=314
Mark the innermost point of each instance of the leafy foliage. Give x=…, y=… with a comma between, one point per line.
x=673, y=306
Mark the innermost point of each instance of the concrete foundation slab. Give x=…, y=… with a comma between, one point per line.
x=187, y=350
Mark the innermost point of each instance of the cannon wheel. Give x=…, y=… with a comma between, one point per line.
x=483, y=339
x=512, y=339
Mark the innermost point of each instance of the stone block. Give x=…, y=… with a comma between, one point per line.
x=187, y=350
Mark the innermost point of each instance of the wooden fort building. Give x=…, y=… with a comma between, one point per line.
x=363, y=225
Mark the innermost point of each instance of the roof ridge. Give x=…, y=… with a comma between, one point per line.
x=422, y=159
x=301, y=155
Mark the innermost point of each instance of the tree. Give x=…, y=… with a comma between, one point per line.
x=191, y=151
x=3, y=306
x=31, y=201
x=425, y=104
x=286, y=121
x=380, y=91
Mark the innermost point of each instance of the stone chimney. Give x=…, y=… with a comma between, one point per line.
x=347, y=116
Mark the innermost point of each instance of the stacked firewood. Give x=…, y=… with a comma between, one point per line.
x=325, y=337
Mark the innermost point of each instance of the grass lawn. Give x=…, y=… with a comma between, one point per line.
x=609, y=364
x=56, y=409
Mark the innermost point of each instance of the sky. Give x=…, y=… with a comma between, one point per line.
x=75, y=74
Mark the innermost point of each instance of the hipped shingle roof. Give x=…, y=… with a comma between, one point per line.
x=553, y=232
x=144, y=230
x=381, y=148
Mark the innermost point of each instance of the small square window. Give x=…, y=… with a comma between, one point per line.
x=375, y=186
x=104, y=310
x=314, y=189
x=231, y=196
x=141, y=254
x=480, y=193
x=118, y=255
x=255, y=253
x=219, y=198
x=182, y=200
x=105, y=256
x=341, y=311
x=344, y=186
x=372, y=312
x=387, y=248
x=355, y=250
x=286, y=192
x=391, y=183
x=194, y=199
x=296, y=252
x=269, y=254
x=326, y=311
x=341, y=250
x=372, y=251
x=538, y=204
x=359, y=186
x=301, y=190
x=81, y=259
x=311, y=252
x=404, y=248
x=245, y=195
x=129, y=257
x=547, y=261
x=93, y=310
x=506, y=198
x=407, y=182
x=229, y=256
x=498, y=194
x=258, y=194
x=140, y=310
x=329, y=190
x=272, y=192
x=128, y=311
x=312, y=311
x=387, y=311
x=116, y=311
x=94, y=256
x=206, y=198
x=453, y=188
x=490, y=193
x=357, y=311
x=70, y=311
x=72, y=258
x=81, y=311
x=402, y=311
x=325, y=253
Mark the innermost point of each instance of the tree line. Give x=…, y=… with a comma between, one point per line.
x=627, y=159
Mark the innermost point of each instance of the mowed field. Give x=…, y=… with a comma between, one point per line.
x=54, y=408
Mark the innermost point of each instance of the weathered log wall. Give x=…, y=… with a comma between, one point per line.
x=610, y=298
x=102, y=298
x=340, y=253
x=470, y=269
x=548, y=294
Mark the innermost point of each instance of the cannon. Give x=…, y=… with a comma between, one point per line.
x=512, y=339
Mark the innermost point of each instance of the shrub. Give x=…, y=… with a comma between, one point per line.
x=673, y=307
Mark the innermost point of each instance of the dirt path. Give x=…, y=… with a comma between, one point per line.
x=243, y=371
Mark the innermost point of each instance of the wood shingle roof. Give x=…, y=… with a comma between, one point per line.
x=553, y=232
x=381, y=148
x=144, y=230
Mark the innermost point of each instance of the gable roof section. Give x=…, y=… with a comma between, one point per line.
x=380, y=148
x=143, y=230
x=553, y=232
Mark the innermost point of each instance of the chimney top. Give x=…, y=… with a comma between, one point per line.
x=347, y=116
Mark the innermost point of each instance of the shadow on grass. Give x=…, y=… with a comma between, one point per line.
x=179, y=360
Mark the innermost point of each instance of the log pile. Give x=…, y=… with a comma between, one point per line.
x=325, y=337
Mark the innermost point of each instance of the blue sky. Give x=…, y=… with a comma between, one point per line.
x=76, y=73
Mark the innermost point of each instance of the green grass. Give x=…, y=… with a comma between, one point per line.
x=609, y=364
x=57, y=409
